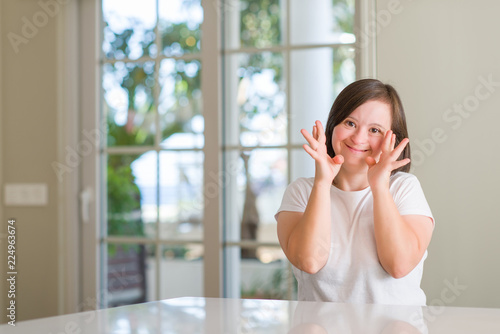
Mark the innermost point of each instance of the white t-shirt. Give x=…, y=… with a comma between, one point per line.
x=353, y=273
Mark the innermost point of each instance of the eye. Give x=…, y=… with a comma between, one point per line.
x=350, y=124
x=375, y=130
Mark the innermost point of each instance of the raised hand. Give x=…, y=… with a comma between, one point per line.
x=326, y=167
x=384, y=162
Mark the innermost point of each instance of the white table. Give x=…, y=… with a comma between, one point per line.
x=214, y=315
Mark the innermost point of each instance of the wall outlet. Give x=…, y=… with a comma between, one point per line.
x=26, y=194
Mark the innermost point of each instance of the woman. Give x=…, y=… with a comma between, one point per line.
x=358, y=231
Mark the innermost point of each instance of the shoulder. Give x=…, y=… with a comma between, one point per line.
x=299, y=190
x=404, y=186
x=408, y=193
x=403, y=176
x=302, y=184
x=297, y=195
x=401, y=179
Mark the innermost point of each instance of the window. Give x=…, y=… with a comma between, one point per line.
x=190, y=181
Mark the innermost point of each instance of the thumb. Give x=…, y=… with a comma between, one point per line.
x=370, y=161
x=338, y=159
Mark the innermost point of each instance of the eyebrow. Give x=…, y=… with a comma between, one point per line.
x=376, y=124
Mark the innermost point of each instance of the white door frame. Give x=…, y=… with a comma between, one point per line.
x=91, y=130
x=68, y=178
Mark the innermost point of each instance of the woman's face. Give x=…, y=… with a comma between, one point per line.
x=361, y=134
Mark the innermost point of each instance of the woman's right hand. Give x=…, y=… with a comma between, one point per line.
x=326, y=167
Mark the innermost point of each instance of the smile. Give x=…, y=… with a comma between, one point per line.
x=355, y=150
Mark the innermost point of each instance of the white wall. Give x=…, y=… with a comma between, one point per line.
x=438, y=54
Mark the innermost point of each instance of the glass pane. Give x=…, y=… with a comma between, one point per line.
x=344, y=68
x=180, y=104
x=145, y=169
x=256, y=182
x=264, y=280
x=310, y=102
x=267, y=276
x=322, y=22
x=302, y=164
x=256, y=100
x=131, y=185
x=252, y=23
x=129, y=277
x=332, y=70
x=181, y=195
x=129, y=28
x=129, y=103
x=179, y=26
x=181, y=271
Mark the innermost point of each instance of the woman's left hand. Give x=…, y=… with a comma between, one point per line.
x=379, y=170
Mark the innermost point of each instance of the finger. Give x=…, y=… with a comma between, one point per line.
x=397, y=151
x=386, y=145
x=312, y=142
x=310, y=151
x=393, y=141
x=376, y=156
x=400, y=163
x=321, y=132
x=370, y=161
x=315, y=132
x=338, y=159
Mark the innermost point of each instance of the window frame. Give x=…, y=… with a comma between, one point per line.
x=90, y=181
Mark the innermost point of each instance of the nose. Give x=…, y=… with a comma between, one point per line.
x=358, y=137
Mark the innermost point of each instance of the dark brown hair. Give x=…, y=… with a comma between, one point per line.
x=360, y=92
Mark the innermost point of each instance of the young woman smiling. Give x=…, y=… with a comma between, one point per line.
x=359, y=230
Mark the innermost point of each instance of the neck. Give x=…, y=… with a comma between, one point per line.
x=351, y=181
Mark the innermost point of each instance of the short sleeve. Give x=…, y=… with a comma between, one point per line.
x=409, y=196
x=296, y=196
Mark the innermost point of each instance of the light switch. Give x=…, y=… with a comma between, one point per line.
x=26, y=194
